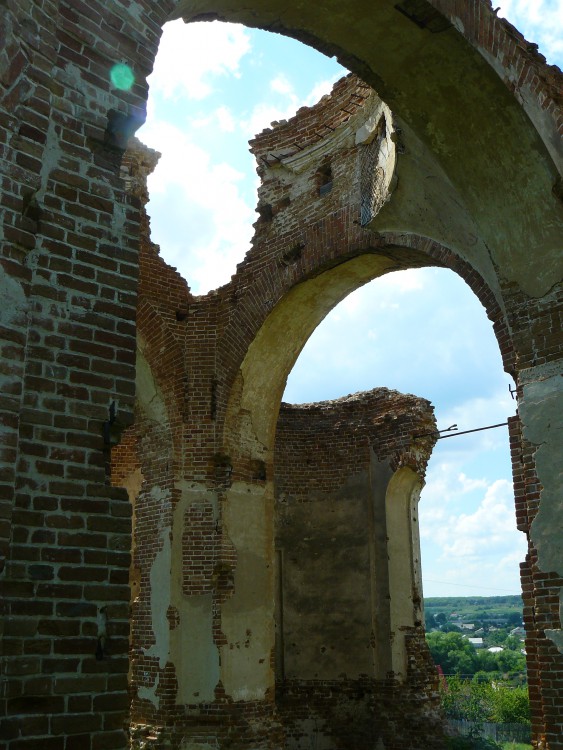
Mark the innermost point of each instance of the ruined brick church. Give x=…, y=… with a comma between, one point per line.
x=187, y=563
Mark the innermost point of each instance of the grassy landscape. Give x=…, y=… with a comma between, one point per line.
x=476, y=608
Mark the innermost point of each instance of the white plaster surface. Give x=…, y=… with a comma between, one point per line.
x=398, y=500
x=193, y=652
x=149, y=397
x=160, y=596
x=248, y=617
x=541, y=411
x=149, y=693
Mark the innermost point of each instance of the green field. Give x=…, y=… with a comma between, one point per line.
x=476, y=608
x=515, y=746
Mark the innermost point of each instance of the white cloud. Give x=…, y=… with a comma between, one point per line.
x=541, y=21
x=468, y=484
x=198, y=210
x=489, y=527
x=203, y=204
x=226, y=120
x=320, y=89
x=478, y=550
x=190, y=56
x=281, y=85
x=382, y=295
x=264, y=113
x=445, y=486
x=221, y=118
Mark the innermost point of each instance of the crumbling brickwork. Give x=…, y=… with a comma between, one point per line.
x=475, y=108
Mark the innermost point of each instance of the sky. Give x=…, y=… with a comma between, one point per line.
x=215, y=86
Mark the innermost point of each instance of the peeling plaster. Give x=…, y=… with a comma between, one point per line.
x=149, y=396
x=248, y=616
x=132, y=483
x=403, y=491
x=197, y=667
x=149, y=693
x=119, y=218
x=425, y=202
x=367, y=132
x=556, y=636
x=13, y=298
x=541, y=411
x=14, y=303
x=160, y=592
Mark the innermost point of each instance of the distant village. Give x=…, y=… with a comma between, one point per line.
x=483, y=624
x=478, y=636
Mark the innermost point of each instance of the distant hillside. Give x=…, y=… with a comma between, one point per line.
x=503, y=610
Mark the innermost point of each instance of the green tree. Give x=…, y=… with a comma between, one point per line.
x=440, y=618
x=481, y=701
x=452, y=652
x=449, y=627
x=511, y=661
x=511, y=705
x=486, y=661
x=513, y=643
x=514, y=618
x=429, y=621
x=466, y=699
x=497, y=637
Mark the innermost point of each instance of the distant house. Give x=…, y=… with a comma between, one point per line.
x=467, y=626
x=476, y=642
x=495, y=649
x=519, y=632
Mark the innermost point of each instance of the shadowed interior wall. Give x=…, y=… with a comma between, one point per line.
x=349, y=604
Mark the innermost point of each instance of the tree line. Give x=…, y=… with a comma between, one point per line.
x=456, y=655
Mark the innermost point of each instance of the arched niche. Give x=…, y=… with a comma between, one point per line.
x=403, y=549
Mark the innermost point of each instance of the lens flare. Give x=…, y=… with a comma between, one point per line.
x=122, y=76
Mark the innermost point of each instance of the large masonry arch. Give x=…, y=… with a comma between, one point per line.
x=462, y=170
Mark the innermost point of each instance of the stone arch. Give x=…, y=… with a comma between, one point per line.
x=249, y=430
x=251, y=411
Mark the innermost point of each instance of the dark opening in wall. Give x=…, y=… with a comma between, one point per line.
x=324, y=180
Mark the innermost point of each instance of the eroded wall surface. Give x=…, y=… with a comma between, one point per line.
x=465, y=173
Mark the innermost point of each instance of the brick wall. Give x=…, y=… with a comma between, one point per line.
x=69, y=264
x=336, y=684
x=70, y=278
